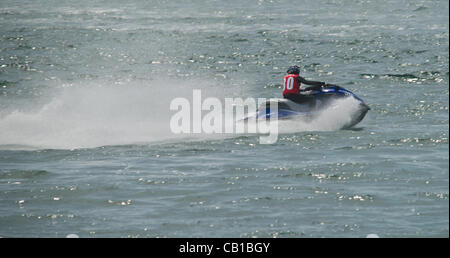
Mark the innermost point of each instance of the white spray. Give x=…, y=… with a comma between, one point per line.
x=86, y=116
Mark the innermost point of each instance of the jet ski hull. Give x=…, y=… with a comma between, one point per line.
x=316, y=102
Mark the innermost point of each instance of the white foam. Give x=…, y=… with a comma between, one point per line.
x=93, y=115
x=335, y=117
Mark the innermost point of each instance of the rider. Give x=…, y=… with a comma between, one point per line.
x=291, y=85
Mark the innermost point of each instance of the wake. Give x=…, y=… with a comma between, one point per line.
x=93, y=115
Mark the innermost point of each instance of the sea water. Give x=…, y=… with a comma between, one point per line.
x=86, y=148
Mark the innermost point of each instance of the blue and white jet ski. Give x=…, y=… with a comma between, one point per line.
x=315, y=102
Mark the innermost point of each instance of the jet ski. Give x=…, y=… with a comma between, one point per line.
x=316, y=101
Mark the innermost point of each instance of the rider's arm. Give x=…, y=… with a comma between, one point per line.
x=313, y=83
x=316, y=87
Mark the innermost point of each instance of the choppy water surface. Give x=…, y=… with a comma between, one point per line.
x=85, y=145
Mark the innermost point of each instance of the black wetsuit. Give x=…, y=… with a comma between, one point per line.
x=300, y=98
